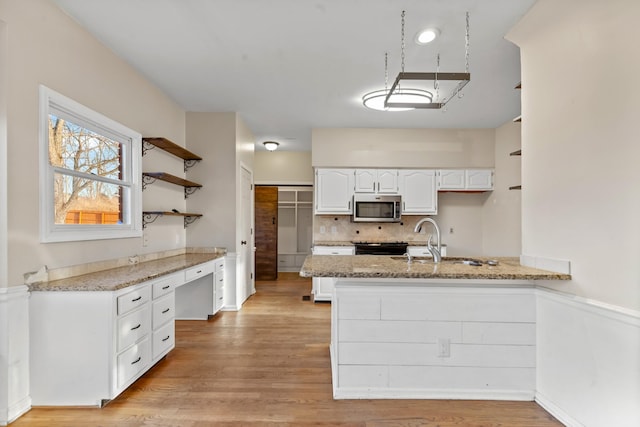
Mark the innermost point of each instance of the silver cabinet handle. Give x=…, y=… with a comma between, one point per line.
x=136, y=327
x=137, y=360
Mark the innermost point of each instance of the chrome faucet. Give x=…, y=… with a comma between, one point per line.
x=435, y=252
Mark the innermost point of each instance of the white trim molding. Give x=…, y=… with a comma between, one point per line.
x=588, y=360
x=14, y=353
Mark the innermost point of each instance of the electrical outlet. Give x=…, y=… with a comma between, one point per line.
x=323, y=229
x=444, y=347
x=334, y=229
x=145, y=238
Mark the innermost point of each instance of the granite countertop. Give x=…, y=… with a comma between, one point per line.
x=122, y=277
x=380, y=266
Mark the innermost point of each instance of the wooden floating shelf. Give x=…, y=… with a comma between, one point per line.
x=518, y=119
x=189, y=158
x=518, y=86
x=516, y=187
x=516, y=153
x=189, y=186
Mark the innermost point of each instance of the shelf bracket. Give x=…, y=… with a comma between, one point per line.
x=189, y=220
x=146, y=180
x=146, y=146
x=149, y=218
x=190, y=190
x=189, y=163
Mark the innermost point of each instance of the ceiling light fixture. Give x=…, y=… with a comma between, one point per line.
x=427, y=36
x=271, y=145
x=376, y=100
x=453, y=82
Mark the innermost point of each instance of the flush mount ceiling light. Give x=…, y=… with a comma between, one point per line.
x=376, y=100
x=271, y=145
x=452, y=83
x=427, y=36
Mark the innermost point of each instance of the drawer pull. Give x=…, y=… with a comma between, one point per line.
x=136, y=327
x=199, y=271
x=137, y=299
x=137, y=360
x=166, y=311
x=164, y=339
x=166, y=287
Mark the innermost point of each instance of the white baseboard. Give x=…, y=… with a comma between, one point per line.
x=463, y=394
x=557, y=412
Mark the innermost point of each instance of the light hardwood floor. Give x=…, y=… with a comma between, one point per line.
x=268, y=365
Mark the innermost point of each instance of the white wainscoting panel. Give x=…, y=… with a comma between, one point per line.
x=588, y=357
x=14, y=353
x=388, y=341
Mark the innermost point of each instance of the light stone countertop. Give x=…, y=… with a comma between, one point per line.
x=122, y=277
x=381, y=266
x=348, y=243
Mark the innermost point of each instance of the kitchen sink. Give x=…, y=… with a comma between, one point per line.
x=445, y=260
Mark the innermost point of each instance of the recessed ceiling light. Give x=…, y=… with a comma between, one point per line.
x=427, y=36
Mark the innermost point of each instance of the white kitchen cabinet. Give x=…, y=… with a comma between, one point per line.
x=418, y=190
x=465, y=179
x=89, y=346
x=376, y=181
x=334, y=191
x=218, y=293
x=322, y=287
x=423, y=251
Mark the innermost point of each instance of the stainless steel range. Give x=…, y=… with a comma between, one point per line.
x=380, y=248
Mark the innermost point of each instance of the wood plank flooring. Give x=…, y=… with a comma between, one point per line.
x=268, y=365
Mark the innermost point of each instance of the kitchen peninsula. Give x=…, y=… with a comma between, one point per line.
x=446, y=330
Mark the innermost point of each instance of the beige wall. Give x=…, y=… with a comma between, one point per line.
x=408, y=148
x=580, y=169
x=283, y=167
x=501, y=213
x=40, y=38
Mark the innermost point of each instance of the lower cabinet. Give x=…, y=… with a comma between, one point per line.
x=88, y=346
x=423, y=251
x=322, y=287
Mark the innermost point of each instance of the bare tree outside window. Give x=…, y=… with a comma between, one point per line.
x=81, y=158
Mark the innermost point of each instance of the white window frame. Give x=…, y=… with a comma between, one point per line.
x=131, y=165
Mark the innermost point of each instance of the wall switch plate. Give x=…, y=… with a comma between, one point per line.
x=323, y=229
x=444, y=347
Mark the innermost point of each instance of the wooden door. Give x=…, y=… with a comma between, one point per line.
x=266, y=208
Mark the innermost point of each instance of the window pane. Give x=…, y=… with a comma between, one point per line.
x=85, y=201
x=76, y=148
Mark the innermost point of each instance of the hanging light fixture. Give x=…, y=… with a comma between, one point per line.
x=271, y=145
x=376, y=100
x=454, y=81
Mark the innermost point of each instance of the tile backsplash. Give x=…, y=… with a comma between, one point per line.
x=339, y=228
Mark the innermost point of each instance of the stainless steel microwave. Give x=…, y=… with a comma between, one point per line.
x=376, y=208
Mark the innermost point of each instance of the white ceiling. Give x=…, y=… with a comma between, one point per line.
x=287, y=66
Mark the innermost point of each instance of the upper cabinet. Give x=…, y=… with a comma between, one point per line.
x=418, y=189
x=376, y=181
x=465, y=179
x=333, y=191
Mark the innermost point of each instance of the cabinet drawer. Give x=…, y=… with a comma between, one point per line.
x=166, y=285
x=133, y=361
x=198, y=271
x=164, y=339
x=334, y=250
x=220, y=265
x=164, y=309
x=133, y=326
x=133, y=299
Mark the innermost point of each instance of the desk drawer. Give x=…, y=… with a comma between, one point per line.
x=133, y=299
x=133, y=361
x=164, y=309
x=166, y=285
x=133, y=326
x=199, y=271
x=164, y=339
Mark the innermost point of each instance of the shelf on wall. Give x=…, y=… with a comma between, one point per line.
x=149, y=217
x=189, y=158
x=189, y=186
x=519, y=85
x=515, y=187
x=516, y=153
x=518, y=119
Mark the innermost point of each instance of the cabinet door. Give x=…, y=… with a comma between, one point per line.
x=418, y=190
x=387, y=181
x=451, y=179
x=334, y=191
x=479, y=179
x=365, y=181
